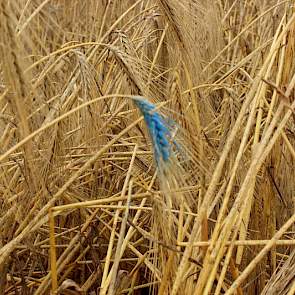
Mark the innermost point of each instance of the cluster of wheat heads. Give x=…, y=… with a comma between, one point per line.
x=147, y=147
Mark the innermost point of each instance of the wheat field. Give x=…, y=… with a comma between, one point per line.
x=147, y=147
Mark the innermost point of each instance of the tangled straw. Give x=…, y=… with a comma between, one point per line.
x=159, y=130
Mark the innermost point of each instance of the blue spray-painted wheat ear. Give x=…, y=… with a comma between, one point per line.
x=158, y=129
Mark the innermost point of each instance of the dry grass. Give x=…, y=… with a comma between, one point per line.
x=85, y=208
